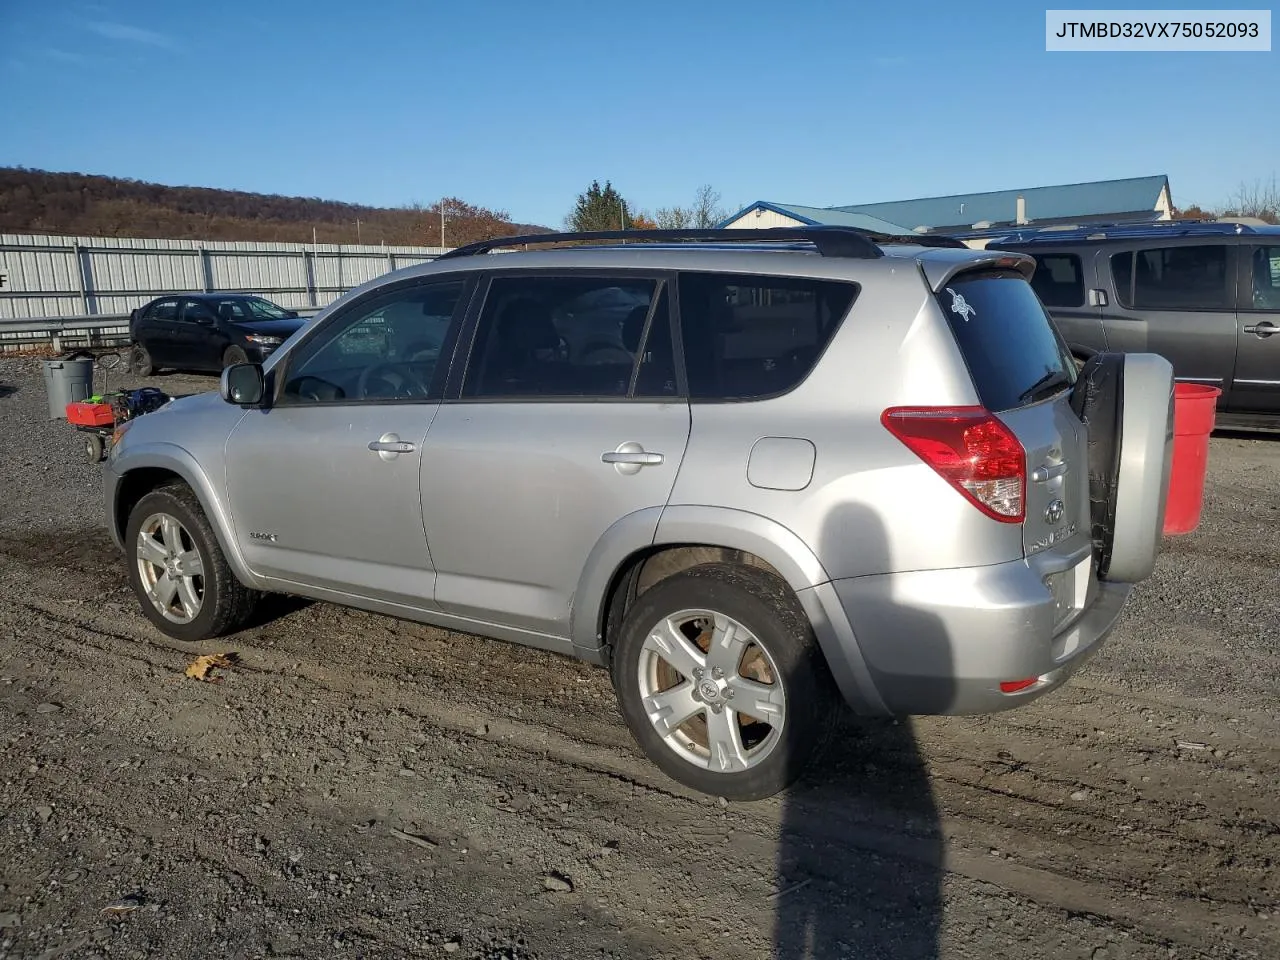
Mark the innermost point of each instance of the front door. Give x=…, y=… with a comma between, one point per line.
x=1256, y=388
x=1177, y=300
x=567, y=421
x=324, y=485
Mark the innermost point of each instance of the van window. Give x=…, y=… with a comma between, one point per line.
x=1015, y=354
x=1266, y=279
x=1058, y=280
x=1173, y=278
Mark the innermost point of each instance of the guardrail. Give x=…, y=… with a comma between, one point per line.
x=88, y=330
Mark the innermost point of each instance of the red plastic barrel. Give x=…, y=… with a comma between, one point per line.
x=1195, y=409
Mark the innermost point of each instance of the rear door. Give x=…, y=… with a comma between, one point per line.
x=1023, y=373
x=1255, y=387
x=158, y=331
x=566, y=419
x=1178, y=300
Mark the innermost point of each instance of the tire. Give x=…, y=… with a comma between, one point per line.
x=224, y=603
x=232, y=355
x=93, y=447
x=761, y=759
x=140, y=361
x=1126, y=402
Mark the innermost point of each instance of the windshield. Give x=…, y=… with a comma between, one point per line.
x=266, y=310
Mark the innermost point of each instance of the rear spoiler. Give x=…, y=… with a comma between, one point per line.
x=941, y=270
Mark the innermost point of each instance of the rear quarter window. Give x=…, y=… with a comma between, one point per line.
x=1013, y=350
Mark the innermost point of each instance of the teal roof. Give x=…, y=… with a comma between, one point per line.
x=1100, y=198
x=1136, y=195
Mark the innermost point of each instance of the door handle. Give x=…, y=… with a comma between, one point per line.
x=389, y=446
x=630, y=456
x=1264, y=329
x=640, y=458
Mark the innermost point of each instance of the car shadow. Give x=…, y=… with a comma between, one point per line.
x=861, y=855
x=272, y=607
x=7, y=390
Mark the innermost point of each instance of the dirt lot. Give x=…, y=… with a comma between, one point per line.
x=361, y=787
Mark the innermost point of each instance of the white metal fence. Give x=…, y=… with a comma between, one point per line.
x=62, y=277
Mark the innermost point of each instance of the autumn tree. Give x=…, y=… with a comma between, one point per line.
x=599, y=208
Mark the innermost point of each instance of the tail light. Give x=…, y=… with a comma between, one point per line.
x=972, y=450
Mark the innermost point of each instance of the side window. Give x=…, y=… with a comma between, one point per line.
x=1059, y=280
x=747, y=337
x=1178, y=278
x=1266, y=278
x=385, y=348
x=193, y=309
x=164, y=310
x=543, y=337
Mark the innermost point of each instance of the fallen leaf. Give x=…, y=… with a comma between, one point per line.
x=200, y=667
x=124, y=905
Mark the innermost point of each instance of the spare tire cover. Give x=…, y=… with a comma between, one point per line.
x=1126, y=402
x=1146, y=457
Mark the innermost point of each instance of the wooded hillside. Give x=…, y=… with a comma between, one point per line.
x=38, y=201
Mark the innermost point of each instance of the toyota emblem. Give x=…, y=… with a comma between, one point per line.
x=1054, y=511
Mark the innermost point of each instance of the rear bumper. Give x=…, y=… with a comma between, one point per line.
x=942, y=641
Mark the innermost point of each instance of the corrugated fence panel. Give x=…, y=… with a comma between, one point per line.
x=56, y=276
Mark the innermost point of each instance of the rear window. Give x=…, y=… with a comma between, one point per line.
x=748, y=336
x=1058, y=280
x=1014, y=352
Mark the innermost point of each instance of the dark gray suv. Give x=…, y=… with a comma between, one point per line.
x=1204, y=295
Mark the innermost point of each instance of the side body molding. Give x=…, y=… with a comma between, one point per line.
x=171, y=457
x=736, y=530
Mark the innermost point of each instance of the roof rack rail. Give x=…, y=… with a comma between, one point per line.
x=829, y=241
x=1104, y=231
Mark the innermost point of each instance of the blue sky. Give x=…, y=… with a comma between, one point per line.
x=518, y=105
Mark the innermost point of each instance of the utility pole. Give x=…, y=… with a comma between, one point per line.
x=357, y=230
x=442, y=223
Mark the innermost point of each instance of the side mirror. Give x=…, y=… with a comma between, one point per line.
x=243, y=384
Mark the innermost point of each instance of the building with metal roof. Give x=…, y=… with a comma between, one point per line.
x=1133, y=200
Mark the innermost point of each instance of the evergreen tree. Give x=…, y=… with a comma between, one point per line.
x=599, y=208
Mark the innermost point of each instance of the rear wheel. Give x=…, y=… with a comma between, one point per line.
x=234, y=355
x=721, y=681
x=140, y=361
x=178, y=571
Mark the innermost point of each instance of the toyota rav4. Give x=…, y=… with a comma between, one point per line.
x=759, y=475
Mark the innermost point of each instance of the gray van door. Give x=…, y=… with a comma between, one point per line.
x=1176, y=299
x=1256, y=388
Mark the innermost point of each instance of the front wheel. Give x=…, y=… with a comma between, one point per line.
x=721, y=681
x=178, y=571
x=234, y=355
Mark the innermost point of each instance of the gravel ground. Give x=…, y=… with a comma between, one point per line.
x=362, y=787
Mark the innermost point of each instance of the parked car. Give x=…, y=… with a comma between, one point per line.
x=207, y=331
x=1204, y=295
x=831, y=470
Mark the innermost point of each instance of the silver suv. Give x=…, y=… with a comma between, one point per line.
x=757, y=474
